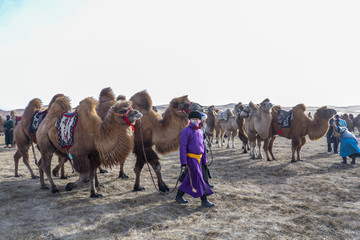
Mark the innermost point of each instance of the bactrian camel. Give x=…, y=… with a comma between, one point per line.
x=258, y=126
x=96, y=142
x=301, y=126
x=161, y=131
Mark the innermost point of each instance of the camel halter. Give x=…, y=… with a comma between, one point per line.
x=188, y=109
x=125, y=115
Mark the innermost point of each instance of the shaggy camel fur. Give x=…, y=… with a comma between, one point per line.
x=96, y=142
x=24, y=138
x=229, y=127
x=301, y=125
x=106, y=100
x=258, y=126
x=161, y=131
x=211, y=122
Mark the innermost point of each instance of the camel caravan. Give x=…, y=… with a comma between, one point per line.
x=99, y=134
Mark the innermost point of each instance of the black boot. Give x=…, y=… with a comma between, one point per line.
x=179, y=197
x=344, y=160
x=205, y=202
x=353, y=161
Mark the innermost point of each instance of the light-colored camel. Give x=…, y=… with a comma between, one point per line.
x=96, y=142
x=161, y=131
x=228, y=126
x=301, y=126
x=24, y=139
x=106, y=100
x=258, y=126
x=210, y=125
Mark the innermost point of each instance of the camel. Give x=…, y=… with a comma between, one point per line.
x=349, y=122
x=301, y=126
x=356, y=123
x=161, y=131
x=258, y=126
x=227, y=126
x=106, y=100
x=24, y=138
x=240, y=121
x=96, y=142
x=211, y=122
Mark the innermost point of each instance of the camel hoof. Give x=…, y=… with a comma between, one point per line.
x=18, y=175
x=269, y=160
x=35, y=177
x=123, y=175
x=44, y=188
x=55, y=191
x=95, y=195
x=69, y=186
x=138, y=189
x=293, y=161
x=65, y=177
x=103, y=171
x=164, y=188
x=55, y=173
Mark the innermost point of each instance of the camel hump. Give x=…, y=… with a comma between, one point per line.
x=300, y=107
x=121, y=97
x=253, y=105
x=142, y=101
x=106, y=94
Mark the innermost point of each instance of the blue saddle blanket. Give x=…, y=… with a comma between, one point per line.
x=65, y=126
x=36, y=119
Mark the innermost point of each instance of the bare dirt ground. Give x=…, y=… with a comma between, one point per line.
x=318, y=198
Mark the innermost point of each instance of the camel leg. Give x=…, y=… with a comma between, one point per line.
x=233, y=138
x=46, y=167
x=295, y=142
x=303, y=141
x=101, y=170
x=82, y=178
x=93, y=193
x=41, y=173
x=60, y=166
x=259, y=148
x=228, y=133
x=252, y=149
x=122, y=172
x=138, y=167
x=17, y=157
x=266, y=148
x=271, y=143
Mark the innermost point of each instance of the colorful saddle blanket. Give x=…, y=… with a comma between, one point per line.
x=284, y=118
x=36, y=119
x=65, y=126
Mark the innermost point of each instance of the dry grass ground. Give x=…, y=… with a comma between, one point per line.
x=317, y=198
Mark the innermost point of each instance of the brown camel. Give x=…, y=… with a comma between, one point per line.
x=258, y=127
x=24, y=139
x=161, y=131
x=106, y=100
x=356, y=123
x=240, y=121
x=226, y=123
x=96, y=142
x=349, y=122
x=301, y=125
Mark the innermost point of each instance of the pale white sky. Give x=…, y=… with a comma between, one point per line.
x=217, y=52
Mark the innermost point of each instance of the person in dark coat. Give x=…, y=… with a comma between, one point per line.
x=9, y=132
x=193, y=155
x=331, y=137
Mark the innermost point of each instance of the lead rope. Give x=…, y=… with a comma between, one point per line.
x=147, y=163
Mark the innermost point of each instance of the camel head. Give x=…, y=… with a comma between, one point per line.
x=211, y=109
x=180, y=106
x=245, y=112
x=266, y=105
x=196, y=107
x=238, y=108
x=324, y=113
x=125, y=110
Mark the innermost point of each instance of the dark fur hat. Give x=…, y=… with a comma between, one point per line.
x=195, y=114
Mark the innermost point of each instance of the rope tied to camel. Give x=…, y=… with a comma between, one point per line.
x=125, y=115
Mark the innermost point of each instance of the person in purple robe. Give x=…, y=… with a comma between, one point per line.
x=193, y=155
